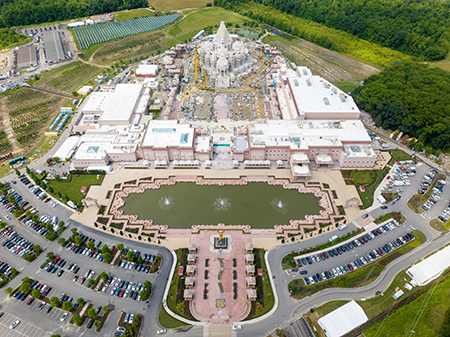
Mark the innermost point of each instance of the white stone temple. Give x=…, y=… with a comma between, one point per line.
x=223, y=58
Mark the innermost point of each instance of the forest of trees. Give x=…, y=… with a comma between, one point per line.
x=411, y=97
x=28, y=12
x=416, y=27
x=9, y=37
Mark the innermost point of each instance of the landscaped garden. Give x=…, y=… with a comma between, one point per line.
x=366, y=181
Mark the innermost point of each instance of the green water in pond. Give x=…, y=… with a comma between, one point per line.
x=257, y=204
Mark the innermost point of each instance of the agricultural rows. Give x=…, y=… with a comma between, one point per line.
x=129, y=44
x=25, y=94
x=92, y=34
x=33, y=107
x=71, y=78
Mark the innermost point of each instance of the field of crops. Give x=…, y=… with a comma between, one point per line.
x=89, y=35
x=69, y=77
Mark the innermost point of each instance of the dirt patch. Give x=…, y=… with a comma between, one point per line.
x=4, y=60
x=325, y=63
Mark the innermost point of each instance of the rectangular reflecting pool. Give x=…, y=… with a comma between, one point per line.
x=257, y=204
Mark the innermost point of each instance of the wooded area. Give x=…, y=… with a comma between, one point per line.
x=326, y=37
x=8, y=37
x=410, y=97
x=28, y=12
x=416, y=27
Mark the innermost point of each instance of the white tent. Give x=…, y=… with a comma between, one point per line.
x=343, y=319
x=430, y=268
x=65, y=151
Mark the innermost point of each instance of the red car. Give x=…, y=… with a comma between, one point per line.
x=30, y=301
x=121, y=293
x=82, y=280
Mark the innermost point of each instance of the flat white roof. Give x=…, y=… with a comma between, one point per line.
x=430, y=268
x=121, y=103
x=95, y=102
x=342, y=320
x=147, y=69
x=315, y=94
x=98, y=150
x=65, y=150
x=303, y=134
x=166, y=133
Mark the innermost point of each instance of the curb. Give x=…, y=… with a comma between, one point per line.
x=275, y=305
x=166, y=292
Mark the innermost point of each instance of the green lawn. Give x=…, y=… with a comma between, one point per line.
x=346, y=86
x=168, y=321
x=138, y=13
x=72, y=188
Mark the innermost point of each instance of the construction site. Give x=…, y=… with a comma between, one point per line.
x=212, y=78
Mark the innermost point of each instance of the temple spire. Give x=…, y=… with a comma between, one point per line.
x=222, y=36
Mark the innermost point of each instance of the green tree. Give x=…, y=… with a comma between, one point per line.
x=36, y=293
x=9, y=290
x=17, y=172
x=49, y=226
x=81, y=301
x=55, y=302
x=78, y=240
x=145, y=294
x=91, y=282
x=77, y=319
x=104, y=276
x=67, y=306
x=107, y=257
x=90, y=245
x=147, y=285
x=57, y=335
x=120, y=247
x=91, y=313
x=62, y=242
x=130, y=255
x=37, y=250
x=97, y=324
x=51, y=236
x=25, y=287
x=105, y=309
x=138, y=317
x=3, y=224
x=51, y=256
x=105, y=249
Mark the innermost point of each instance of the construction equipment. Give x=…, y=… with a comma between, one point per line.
x=196, y=63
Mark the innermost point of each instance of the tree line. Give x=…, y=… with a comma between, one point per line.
x=412, y=98
x=420, y=28
x=28, y=12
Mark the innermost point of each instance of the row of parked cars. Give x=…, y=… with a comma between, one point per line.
x=132, y=265
x=437, y=189
x=43, y=288
x=85, y=251
x=123, y=288
x=5, y=268
x=376, y=253
x=36, y=226
x=445, y=214
x=15, y=243
x=52, y=267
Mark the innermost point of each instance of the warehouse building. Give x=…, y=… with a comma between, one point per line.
x=54, y=49
x=27, y=57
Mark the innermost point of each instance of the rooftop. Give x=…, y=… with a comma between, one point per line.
x=168, y=133
x=315, y=94
x=120, y=105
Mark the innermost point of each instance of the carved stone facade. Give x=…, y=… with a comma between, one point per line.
x=222, y=57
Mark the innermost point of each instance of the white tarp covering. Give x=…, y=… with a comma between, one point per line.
x=343, y=319
x=66, y=149
x=430, y=268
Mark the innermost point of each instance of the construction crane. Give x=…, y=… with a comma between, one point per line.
x=196, y=63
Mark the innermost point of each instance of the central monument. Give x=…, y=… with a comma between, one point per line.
x=220, y=242
x=223, y=59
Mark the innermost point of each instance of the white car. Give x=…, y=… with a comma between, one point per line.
x=237, y=327
x=8, y=218
x=63, y=317
x=16, y=323
x=121, y=329
x=161, y=331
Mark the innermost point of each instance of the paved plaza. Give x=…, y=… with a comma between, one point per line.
x=233, y=275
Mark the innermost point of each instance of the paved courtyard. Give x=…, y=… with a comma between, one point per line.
x=233, y=272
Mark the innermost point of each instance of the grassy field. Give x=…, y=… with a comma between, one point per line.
x=335, y=67
x=168, y=321
x=346, y=86
x=133, y=14
x=168, y=5
x=191, y=24
x=358, y=278
x=445, y=66
x=125, y=50
x=69, y=77
x=440, y=226
x=72, y=188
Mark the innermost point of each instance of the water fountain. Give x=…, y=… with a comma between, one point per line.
x=165, y=203
x=279, y=206
x=221, y=204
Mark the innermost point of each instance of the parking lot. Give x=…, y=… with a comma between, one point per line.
x=24, y=329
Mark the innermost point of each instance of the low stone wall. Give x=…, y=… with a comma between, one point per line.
x=329, y=214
